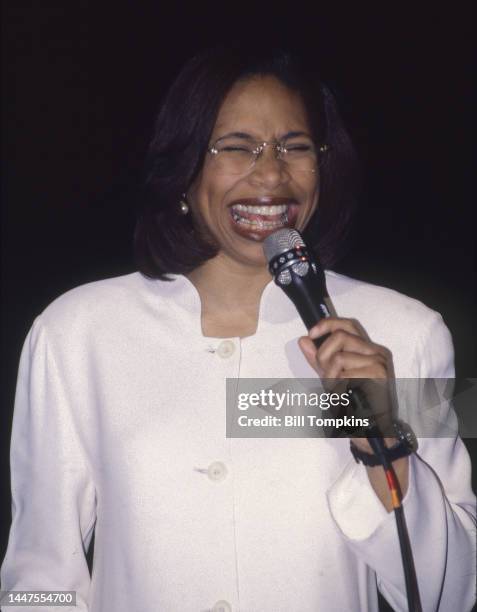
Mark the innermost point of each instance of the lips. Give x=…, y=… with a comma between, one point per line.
x=256, y=218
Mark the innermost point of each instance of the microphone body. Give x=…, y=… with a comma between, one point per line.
x=308, y=296
x=296, y=270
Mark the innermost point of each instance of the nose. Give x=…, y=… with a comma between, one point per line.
x=269, y=170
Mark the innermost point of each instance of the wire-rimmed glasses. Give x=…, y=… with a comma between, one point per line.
x=238, y=154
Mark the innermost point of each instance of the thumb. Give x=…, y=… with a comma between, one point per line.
x=309, y=350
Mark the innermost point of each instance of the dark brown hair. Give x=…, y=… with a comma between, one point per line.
x=165, y=241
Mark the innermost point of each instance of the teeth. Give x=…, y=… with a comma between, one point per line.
x=277, y=209
x=260, y=224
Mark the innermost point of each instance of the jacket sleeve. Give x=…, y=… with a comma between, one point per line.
x=53, y=495
x=439, y=507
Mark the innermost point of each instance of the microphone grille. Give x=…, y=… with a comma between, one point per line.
x=281, y=241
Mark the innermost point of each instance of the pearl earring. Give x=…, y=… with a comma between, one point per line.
x=183, y=206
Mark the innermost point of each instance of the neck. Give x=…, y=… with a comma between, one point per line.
x=225, y=283
x=230, y=295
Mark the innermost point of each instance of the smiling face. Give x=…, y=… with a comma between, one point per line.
x=238, y=211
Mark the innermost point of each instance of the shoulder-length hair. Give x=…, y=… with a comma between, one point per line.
x=165, y=241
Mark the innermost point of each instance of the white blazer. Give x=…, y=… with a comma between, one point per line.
x=119, y=426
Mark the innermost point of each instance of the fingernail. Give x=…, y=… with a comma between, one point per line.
x=315, y=332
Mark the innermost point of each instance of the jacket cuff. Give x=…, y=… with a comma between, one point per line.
x=354, y=505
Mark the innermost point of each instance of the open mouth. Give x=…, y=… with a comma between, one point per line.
x=264, y=218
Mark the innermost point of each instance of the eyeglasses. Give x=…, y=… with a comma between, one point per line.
x=234, y=155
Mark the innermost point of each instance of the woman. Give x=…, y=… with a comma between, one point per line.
x=120, y=413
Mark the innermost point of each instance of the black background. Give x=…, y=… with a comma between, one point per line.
x=83, y=80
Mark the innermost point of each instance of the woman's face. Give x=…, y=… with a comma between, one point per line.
x=235, y=209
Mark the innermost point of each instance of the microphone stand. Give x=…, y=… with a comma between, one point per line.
x=358, y=402
x=412, y=588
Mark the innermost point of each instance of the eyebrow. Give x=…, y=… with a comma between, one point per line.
x=245, y=136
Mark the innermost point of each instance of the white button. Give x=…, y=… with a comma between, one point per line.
x=222, y=606
x=226, y=349
x=217, y=471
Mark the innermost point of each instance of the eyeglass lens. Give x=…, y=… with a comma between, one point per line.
x=233, y=155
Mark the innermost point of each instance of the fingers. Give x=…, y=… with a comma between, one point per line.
x=348, y=358
x=347, y=352
x=354, y=365
x=332, y=324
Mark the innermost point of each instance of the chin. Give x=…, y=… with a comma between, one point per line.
x=253, y=255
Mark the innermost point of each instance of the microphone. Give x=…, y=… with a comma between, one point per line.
x=296, y=270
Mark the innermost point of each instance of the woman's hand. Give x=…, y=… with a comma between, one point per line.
x=346, y=354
